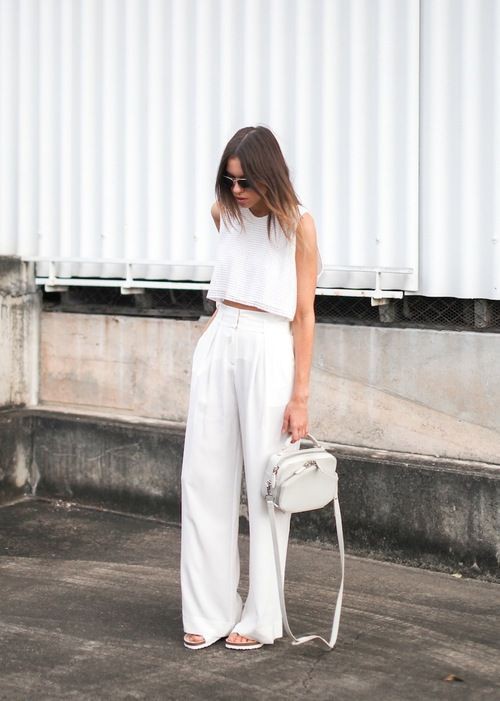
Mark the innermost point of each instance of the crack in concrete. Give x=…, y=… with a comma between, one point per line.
x=108, y=451
x=312, y=669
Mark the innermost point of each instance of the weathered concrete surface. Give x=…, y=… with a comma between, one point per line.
x=90, y=609
x=135, y=365
x=17, y=470
x=19, y=333
x=410, y=390
x=420, y=391
x=119, y=459
x=438, y=512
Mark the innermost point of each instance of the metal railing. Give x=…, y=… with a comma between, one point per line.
x=129, y=284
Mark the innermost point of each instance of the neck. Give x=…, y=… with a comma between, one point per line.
x=259, y=210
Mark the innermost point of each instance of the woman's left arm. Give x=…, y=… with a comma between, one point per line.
x=295, y=420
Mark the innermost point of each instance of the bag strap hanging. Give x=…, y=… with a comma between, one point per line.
x=279, y=576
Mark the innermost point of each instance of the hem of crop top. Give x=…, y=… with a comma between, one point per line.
x=219, y=298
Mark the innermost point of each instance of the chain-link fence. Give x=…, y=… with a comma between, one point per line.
x=411, y=311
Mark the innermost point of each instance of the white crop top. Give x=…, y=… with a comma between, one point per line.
x=254, y=269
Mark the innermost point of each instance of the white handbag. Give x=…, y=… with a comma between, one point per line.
x=303, y=480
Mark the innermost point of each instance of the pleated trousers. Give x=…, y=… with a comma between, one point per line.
x=242, y=379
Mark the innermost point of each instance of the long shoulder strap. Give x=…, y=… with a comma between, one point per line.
x=279, y=576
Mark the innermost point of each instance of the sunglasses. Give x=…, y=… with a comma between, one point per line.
x=244, y=183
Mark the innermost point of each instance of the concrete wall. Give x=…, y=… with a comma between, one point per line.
x=406, y=390
x=19, y=333
x=412, y=390
x=393, y=504
x=114, y=394
x=19, y=351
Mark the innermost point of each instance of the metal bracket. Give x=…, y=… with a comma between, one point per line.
x=56, y=288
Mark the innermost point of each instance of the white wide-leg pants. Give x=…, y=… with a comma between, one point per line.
x=242, y=379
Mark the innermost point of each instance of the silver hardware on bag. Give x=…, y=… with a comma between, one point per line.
x=311, y=463
x=292, y=485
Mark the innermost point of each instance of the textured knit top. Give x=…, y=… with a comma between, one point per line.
x=254, y=269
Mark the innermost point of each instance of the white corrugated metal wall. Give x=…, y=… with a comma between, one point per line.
x=460, y=148
x=113, y=115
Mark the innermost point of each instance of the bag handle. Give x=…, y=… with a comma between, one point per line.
x=289, y=447
x=279, y=576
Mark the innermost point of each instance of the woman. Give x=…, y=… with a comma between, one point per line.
x=250, y=388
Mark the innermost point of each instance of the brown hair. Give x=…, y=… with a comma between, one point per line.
x=265, y=167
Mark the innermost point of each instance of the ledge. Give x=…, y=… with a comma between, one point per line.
x=396, y=506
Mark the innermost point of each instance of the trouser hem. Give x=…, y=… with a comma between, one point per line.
x=266, y=633
x=208, y=628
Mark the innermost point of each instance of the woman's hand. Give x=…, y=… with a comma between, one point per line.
x=295, y=419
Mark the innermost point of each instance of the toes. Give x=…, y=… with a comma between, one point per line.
x=194, y=638
x=237, y=638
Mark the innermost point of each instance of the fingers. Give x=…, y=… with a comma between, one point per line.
x=286, y=421
x=295, y=422
x=298, y=432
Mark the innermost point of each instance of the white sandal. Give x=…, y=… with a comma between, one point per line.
x=255, y=645
x=198, y=646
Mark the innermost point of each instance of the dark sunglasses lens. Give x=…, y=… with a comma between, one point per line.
x=230, y=182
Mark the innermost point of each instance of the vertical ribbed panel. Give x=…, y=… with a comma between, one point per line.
x=460, y=148
x=9, y=122
x=114, y=114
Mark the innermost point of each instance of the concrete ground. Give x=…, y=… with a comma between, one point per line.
x=90, y=609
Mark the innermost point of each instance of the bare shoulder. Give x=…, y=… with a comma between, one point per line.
x=306, y=232
x=215, y=211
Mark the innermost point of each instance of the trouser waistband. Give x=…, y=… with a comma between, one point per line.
x=248, y=318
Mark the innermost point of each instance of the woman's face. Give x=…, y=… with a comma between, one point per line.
x=246, y=197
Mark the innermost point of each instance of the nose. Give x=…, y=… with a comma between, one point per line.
x=237, y=187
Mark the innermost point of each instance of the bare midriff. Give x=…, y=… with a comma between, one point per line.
x=241, y=306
